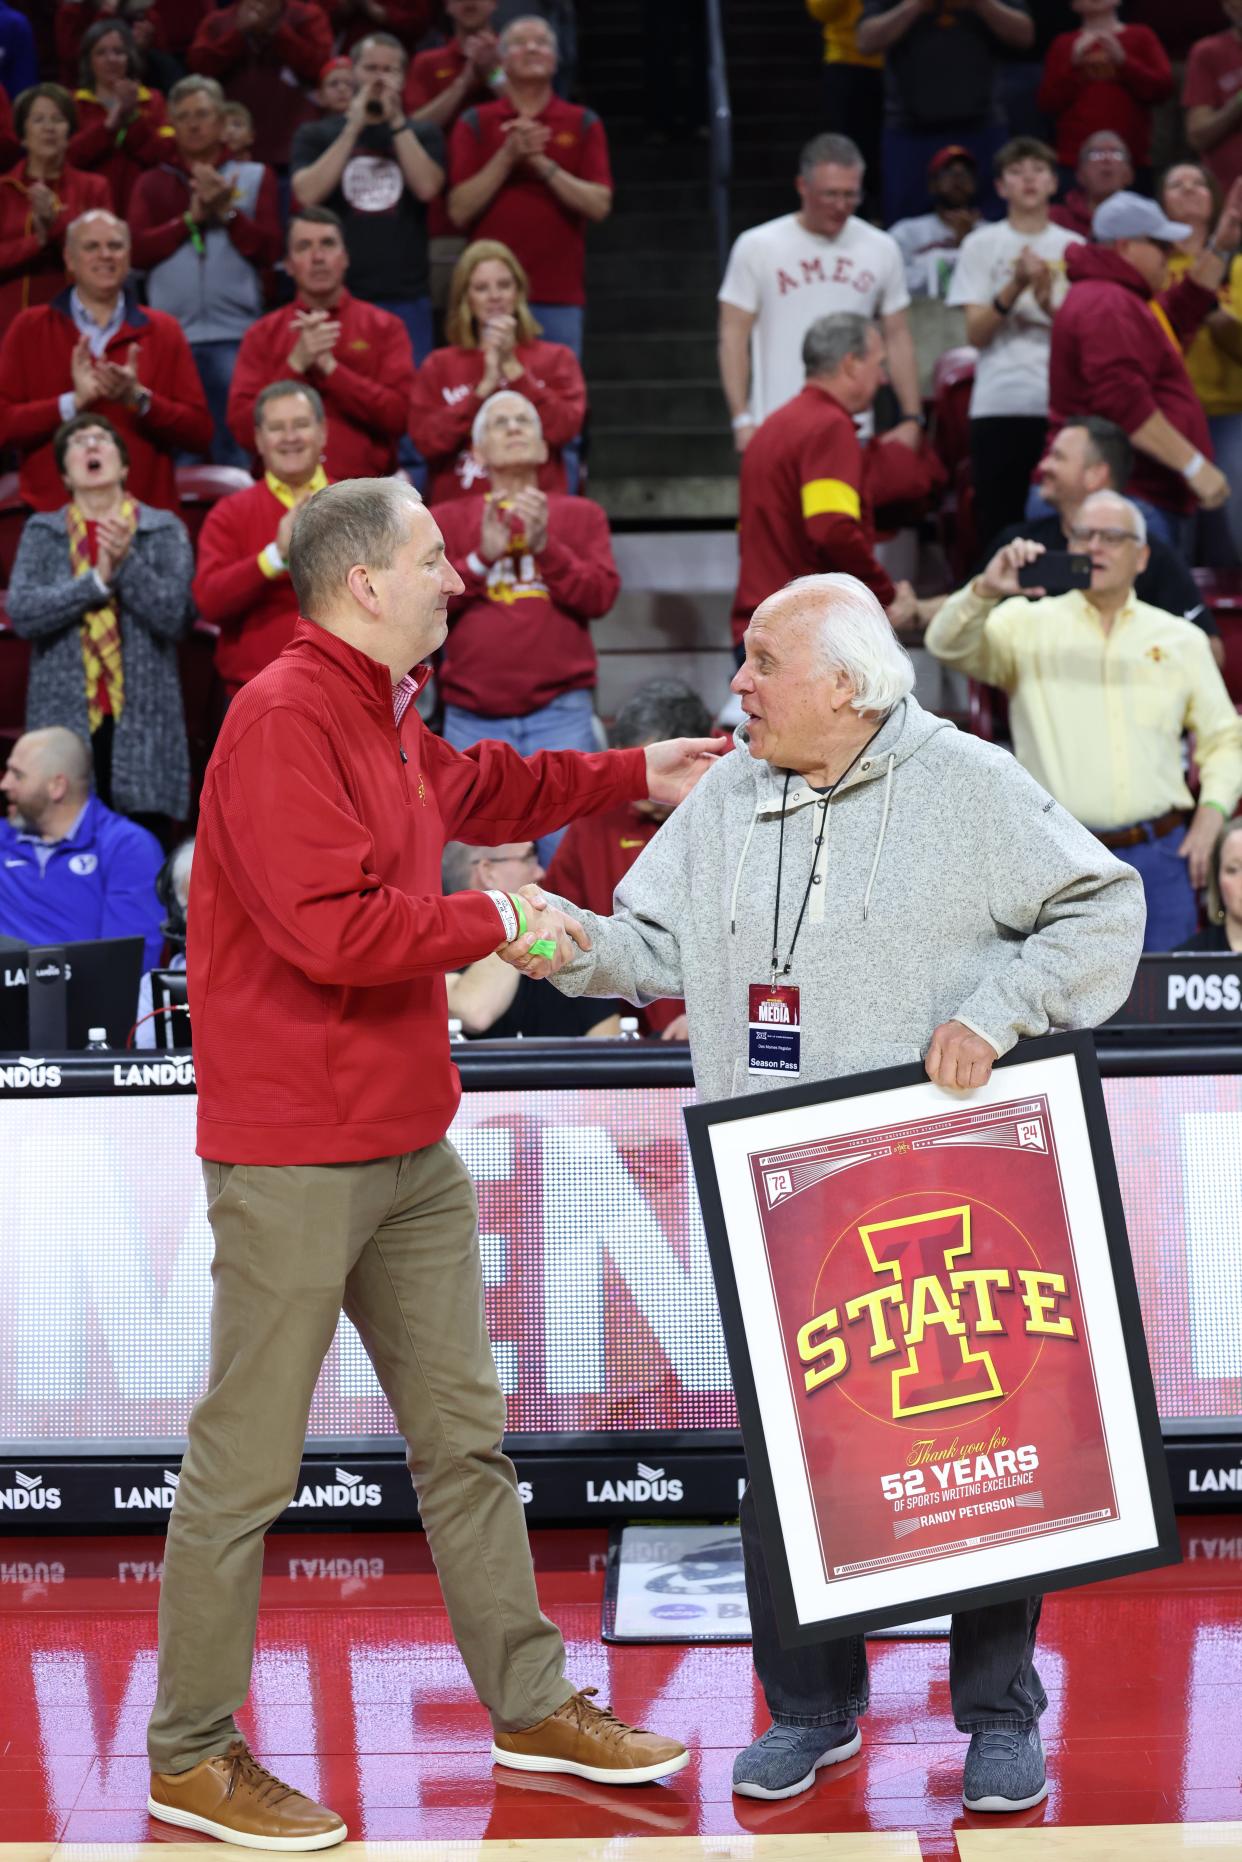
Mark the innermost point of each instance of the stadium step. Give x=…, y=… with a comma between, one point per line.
x=638, y=356
x=665, y=450
x=668, y=310
x=660, y=441
x=677, y=272
x=647, y=403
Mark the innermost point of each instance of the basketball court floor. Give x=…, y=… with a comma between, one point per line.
x=359, y=1699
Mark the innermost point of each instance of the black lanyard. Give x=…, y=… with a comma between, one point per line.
x=780, y=861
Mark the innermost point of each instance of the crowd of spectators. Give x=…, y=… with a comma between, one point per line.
x=1037, y=175
x=317, y=239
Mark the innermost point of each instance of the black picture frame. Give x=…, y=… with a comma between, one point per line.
x=1164, y=1548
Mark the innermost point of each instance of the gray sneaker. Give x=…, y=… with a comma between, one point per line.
x=785, y=1759
x=1005, y=1771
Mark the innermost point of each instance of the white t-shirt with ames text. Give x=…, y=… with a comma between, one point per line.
x=786, y=277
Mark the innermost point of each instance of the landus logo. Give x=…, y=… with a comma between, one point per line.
x=26, y=1072
x=28, y=1494
x=346, y=1490
x=170, y=1072
x=1215, y=1480
x=147, y=1499
x=955, y=1318
x=651, y=1484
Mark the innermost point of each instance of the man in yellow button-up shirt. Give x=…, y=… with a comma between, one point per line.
x=1102, y=689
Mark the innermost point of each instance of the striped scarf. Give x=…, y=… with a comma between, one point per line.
x=1161, y=315
x=101, y=628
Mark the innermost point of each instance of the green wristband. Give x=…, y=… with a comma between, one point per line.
x=542, y=946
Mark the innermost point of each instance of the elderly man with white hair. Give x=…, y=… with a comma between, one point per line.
x=1102, y=690
x=536, y=570
x=925, y=898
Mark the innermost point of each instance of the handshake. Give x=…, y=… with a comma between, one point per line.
x=549, y=939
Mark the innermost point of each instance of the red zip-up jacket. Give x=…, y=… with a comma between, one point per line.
x=35, y=370
x=1111, y=356
x=519, y=634
x=366, y=397
x=1096, y=94
x=803, y=506
x=318, y=934
x=445, y=403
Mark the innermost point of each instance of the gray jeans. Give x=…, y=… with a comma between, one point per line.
x=992, y=1678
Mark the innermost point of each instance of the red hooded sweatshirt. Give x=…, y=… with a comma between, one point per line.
x=1112, y=355
x=319, y=936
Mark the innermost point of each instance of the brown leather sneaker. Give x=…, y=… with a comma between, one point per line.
x=232, y=1797
x=590, y=1742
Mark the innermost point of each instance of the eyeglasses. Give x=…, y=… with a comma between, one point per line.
x=1113, y=538
x=848, y=197
x=1106, y=155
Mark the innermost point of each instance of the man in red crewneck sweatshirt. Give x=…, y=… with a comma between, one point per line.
x=319, y=943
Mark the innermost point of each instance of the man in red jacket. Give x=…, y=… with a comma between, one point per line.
x=1117, y=351
x=243, y=585
x=319, y=940
x=94, y=346
x=255, y=48
x=803, y=507
x=357, y=355
x=536, y=568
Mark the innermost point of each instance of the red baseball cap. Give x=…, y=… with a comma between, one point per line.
x=953, y=153
x=336, y=64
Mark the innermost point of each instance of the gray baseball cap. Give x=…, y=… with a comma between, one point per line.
x=1133, y=216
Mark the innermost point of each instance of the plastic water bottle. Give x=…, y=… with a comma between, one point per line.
x=455, y=1033
x=629, y=1028
x=97, y=1041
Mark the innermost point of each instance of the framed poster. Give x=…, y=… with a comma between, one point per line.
x=935, y=1339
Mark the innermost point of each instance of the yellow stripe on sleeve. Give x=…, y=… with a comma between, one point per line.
x=830, y=497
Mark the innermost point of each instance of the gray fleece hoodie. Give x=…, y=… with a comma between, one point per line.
x=949, y=886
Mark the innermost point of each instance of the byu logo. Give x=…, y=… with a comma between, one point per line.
x=83, y=864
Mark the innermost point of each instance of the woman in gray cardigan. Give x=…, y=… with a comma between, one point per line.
x=101, y=588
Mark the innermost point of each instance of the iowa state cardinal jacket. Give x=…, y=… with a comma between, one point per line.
x=318, y=934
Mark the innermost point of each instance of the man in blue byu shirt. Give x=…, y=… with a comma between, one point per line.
x=71, y=869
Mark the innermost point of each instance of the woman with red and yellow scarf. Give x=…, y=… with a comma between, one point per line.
x=101, y=589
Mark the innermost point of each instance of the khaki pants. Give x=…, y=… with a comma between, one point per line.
x=395, y=1243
